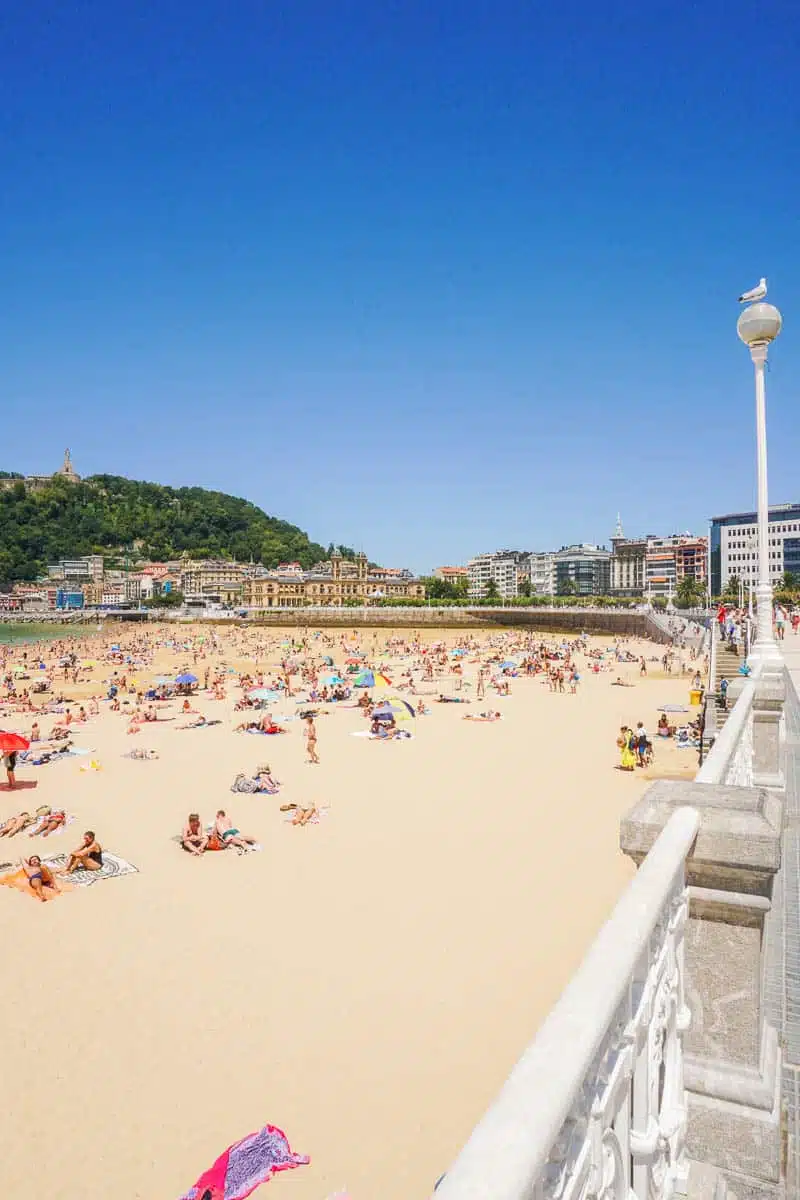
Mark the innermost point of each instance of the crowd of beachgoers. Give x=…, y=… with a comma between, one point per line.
x=59, y=696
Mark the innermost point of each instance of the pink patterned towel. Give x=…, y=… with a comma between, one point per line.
x=245, y=1165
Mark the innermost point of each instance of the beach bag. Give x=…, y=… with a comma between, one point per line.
x=242, y=784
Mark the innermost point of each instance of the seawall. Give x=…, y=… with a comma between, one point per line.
x=617, y=622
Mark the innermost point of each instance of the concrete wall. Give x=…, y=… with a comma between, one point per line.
x=614, y=622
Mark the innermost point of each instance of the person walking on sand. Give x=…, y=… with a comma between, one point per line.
x=311, y=740
x=640, y=738
x=481, y=689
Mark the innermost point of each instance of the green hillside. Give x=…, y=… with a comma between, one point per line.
x=105, y=513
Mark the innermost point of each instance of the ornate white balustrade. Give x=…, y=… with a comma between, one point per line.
x=596, y=1108
x=730, y=759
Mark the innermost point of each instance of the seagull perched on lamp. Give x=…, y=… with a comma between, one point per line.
x=756, y=293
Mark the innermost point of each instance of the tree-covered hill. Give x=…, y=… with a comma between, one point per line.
x=105, y=513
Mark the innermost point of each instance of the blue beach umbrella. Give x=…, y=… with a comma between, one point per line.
x=364, y=679
x=187, y=678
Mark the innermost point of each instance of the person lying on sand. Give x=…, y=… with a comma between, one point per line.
x=39, y=876
x=621, y=683
x=87, y=857
x=228, y=834
x=200, y=723
x=301, y=815
x=16, y=824
x=451, y=700
x=262, y=781
x=484, y=716
x=49, y=822
x=193, y=838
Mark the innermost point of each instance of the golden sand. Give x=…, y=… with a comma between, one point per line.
x=365, y=983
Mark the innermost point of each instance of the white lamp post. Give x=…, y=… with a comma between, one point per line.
x=758, y=325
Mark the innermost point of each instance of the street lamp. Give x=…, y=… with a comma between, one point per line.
x=758, y=325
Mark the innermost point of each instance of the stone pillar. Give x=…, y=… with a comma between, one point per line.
x=768, y=700
x=733, y=1059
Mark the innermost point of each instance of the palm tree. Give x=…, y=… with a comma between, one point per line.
x=690, y=592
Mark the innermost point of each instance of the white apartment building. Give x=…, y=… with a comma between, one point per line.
x=542, y=573
x=734, y=546
x=502, y=566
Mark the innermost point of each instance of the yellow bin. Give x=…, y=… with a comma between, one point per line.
x=695, y=696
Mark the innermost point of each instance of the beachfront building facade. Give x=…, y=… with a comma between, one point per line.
x=540, y=573
x=628, y=559
x=734, y=547
x=671, y=559
x=583, y=570
x=332, y=584
x=209, y=575
x=452, y=575
x=504, y=568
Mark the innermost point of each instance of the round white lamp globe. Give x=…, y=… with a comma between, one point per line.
x=759, y=323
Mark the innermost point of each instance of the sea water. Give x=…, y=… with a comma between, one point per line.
x=32, y=632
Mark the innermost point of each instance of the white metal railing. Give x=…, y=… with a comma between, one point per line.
x=730, y=759
x=596, y=1105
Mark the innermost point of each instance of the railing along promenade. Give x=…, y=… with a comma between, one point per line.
x=596, y=1105
x=671, y=1064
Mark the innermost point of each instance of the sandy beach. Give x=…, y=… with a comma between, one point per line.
x=366, y=982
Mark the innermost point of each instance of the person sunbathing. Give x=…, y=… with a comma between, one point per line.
x=49, y=823
x=229, y=835
x=621, y=683
x=265, y=779
x=16, y=824
x=39, y=876
x=193, y=838
x=87, y=857
x=484, y=716
x=302, y=816
x=451, y=700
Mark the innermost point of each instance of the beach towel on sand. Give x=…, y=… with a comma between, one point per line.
x=245, y=1165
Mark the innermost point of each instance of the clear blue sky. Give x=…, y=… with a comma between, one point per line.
x=427, y=277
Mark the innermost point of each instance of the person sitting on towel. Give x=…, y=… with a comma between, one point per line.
x=87, y=857
x=193, y=838
x=229, y=834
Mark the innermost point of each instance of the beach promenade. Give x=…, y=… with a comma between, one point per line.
x=364, y=983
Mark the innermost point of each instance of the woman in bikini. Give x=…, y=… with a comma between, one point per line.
x=311, y=740
x=39, y=877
